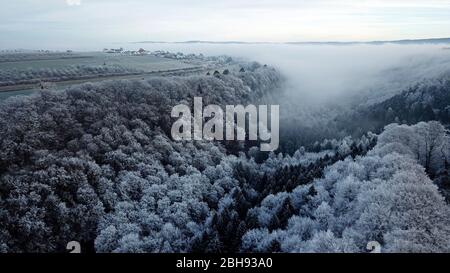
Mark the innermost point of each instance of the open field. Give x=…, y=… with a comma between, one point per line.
x=104, y=67
x=146, y=63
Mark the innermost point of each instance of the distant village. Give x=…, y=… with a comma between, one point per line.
x=169, y=55
x=158, y=53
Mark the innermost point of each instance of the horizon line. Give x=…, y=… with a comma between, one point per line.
x=412, y=41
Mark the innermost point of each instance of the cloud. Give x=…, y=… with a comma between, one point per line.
x=73, y=2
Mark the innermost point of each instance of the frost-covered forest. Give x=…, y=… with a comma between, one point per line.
x=95, y=163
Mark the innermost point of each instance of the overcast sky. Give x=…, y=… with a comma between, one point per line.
x=39, y=23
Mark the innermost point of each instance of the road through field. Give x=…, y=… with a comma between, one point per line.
x=25, y=89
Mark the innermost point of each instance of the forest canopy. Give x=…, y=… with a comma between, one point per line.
x=95, y=163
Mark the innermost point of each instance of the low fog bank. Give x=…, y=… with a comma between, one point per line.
x=326, y=73
x=328, y=85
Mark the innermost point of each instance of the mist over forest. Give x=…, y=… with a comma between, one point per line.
x=364, y=156
x=324, y=85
